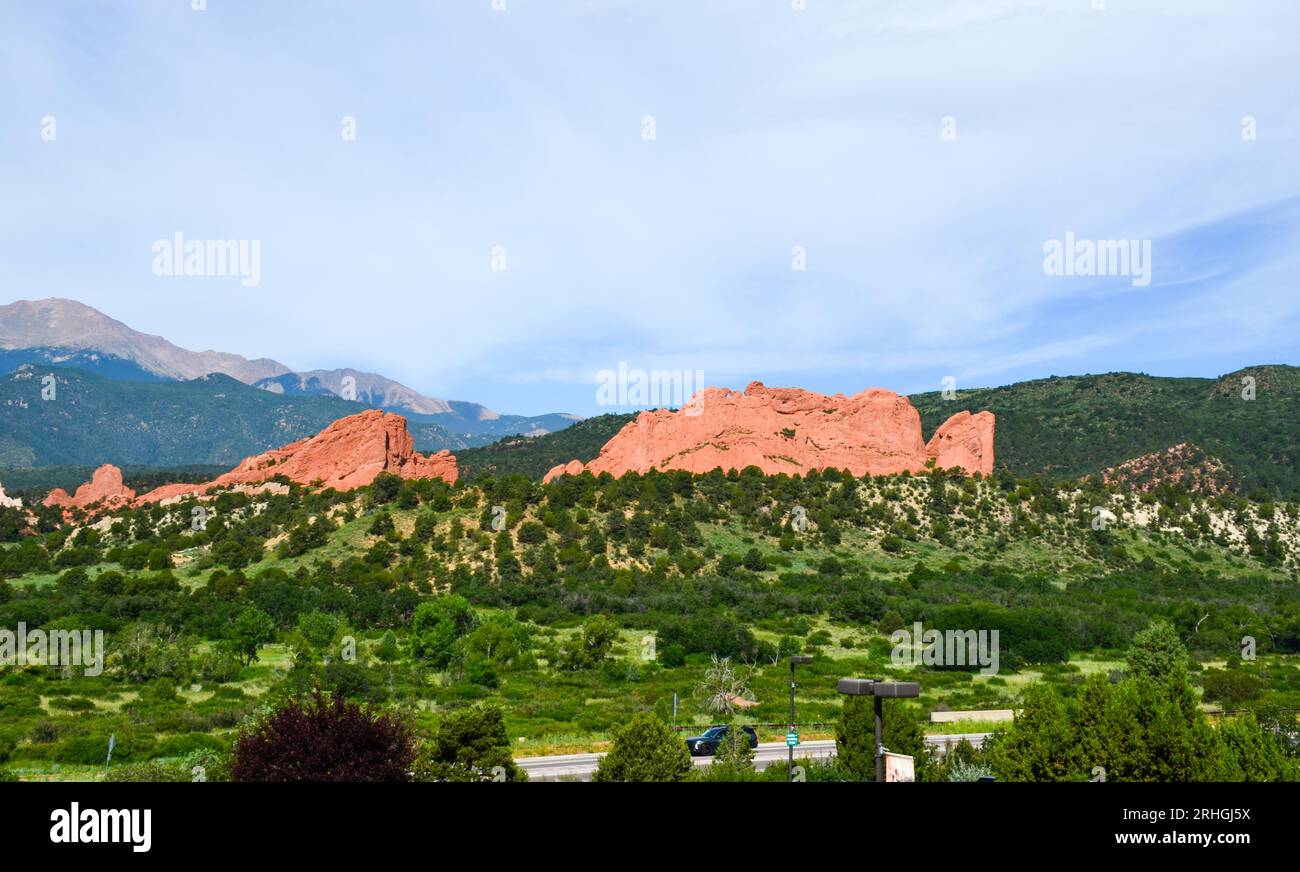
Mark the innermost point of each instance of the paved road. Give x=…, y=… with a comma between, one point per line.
x=582, y=765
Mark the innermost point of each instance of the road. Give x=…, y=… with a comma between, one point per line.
x=580, y=766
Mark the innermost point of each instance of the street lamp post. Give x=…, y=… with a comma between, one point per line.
x=796, y=660
x=879, y=690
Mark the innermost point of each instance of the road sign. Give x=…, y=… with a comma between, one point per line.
x=899, y=767
x=791, y=739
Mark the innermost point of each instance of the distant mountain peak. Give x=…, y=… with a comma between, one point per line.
x=59, y=323
x=63, y=332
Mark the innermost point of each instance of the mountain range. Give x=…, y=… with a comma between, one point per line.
x=123, y=374
x=136, y=400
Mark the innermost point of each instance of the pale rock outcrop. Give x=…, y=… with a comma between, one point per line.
x=790, y=430
x=8, y=502
x=174, y=493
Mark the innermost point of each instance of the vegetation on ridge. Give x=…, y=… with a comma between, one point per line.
x=579, y=604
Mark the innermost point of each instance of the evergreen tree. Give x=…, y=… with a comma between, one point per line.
x=469, y=745
x=855, y=737
x=1157, y=653
x=645, y=749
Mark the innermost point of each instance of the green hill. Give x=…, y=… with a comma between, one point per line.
x=211, y=420
x=532, y=456
x=1079, y=425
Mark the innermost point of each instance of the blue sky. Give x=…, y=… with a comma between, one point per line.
x=774, y=128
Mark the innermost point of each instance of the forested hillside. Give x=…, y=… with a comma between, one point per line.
x=574, y=606
x=213, y=420
x=1081, y=425
x=533, y=456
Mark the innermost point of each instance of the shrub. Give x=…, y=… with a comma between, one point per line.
x=207, y=764
x=645, y=749
x=470, y=745
x=147, y=772
x=963, y=771
x=92, y=749
x=822, y=770
x=1231, y=687
x=322, y=738
x=181, y=746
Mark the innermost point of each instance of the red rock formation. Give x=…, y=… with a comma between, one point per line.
x=573, y=467
x=58, y=497
x=875, y=432
x=105, y=486
x=347, y=454
x=964, y=441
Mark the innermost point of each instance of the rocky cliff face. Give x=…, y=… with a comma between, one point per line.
x=347, y=454
x=104, y=488
x=875, y=432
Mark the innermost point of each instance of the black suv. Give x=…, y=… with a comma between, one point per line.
x=706, y=743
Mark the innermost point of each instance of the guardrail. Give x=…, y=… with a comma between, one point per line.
x=1226, y=712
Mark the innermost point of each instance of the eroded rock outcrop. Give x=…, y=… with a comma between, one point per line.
x=790, y=430
x=964, y=441
x=104, y=488
x=347, y=454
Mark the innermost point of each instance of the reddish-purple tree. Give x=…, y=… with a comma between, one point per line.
x=323, y=738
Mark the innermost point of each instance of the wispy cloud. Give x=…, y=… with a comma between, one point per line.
x=775, y=131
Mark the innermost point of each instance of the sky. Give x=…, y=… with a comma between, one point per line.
x=848, y=195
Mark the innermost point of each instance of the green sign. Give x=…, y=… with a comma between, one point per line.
x=791, y=739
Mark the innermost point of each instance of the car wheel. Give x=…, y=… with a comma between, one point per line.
x=705, y=750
